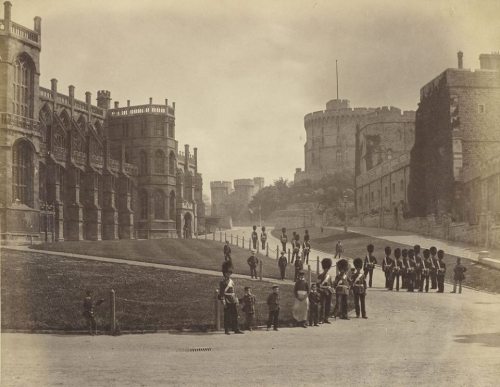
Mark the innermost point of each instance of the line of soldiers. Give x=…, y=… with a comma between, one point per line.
x=297, y=245
x=255, y=237
x=409, y=268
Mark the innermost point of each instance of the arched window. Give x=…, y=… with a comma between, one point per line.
x=171, y=163
x=171, y=205
x=22, y=102
x=159, y=205
x=22, y=172
x=143, y=163
x=171, y=129
x=143, y=203
x=159, y=162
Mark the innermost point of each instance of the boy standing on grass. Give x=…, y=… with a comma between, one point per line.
x=253, y=261
x=282, y=262
x=273, y=302
x=248, y=306
x=459, y=275
x=88, y=311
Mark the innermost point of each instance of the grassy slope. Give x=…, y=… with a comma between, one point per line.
x=46, y=292
x=202, y=254
x=477, y=276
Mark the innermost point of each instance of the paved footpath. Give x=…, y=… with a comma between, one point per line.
x=410, y=339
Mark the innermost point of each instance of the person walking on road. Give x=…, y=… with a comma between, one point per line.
x=339, y=249
x=458, y=276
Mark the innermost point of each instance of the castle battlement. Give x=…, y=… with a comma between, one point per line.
x=243, y=183
x=69, y=100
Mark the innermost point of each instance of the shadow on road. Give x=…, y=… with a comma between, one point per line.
x=487, y=339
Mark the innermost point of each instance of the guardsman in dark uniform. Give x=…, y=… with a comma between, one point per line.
x=255, y=238
x=306, y=236
x=306, y=249
x=341, y=285
x=227, y=251
x=339, y=249
x=273, y=302
x=283, y=238
x=369, y=265
x=410, y=270
x=359, y=288
x=88, y=311
x=325, y=286
x=397, y=269
x=248, y=307
x=387, y=266
x=296, y=247
x=426, y=270
x=263, y=238
x=458, y=276
x=433, y=274
x=282, y=262
x=441, y=271
x=253, y=261
x=418, y=268
x=227, y=295
x=404, y=273
x=314, y=304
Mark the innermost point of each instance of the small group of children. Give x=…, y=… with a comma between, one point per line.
x=273, y=302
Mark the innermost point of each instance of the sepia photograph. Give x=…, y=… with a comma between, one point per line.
x=250, y=193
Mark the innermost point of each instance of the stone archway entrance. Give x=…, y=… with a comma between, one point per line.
x=187, y=231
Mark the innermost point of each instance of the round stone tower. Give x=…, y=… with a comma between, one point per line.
x=219, y=191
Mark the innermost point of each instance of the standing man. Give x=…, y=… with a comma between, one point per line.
x=404, y=279
x=441, y=271
x=306, y=249
x=301, y=303
x=341, y=285
x=410, y=270
x=88, y=311
x=418, y=268
x=325, y=285
x=359, y=288
x=296, y=247
x=227, y=252
x=263, y=238
x=458, y=276
x=253, y=261
x=433, y=274
x=283, y=238
x=397, y=269
x=426, y=270
x=339, y=249
x=255, y=238
x=306, y=236
x=227, y=295
x=370, y=262
x=387, y=266
x=282, y=262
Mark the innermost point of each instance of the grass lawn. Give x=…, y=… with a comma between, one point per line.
x=46, y=292
x=202, y=254
x=477, y=276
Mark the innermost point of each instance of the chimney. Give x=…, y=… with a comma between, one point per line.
x=128, y=103
x=195, y=150
x=7, y=5
x=173, y=105
x=150, y=100
x=186, y=157
x=117, y=104
x=38, y=24
x=88, y=97
x=460, y=56
x=53, y=85
x=166, y=101
x=71, y=93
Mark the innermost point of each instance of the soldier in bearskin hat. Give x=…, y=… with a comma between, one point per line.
x=341, y=286
x=370, y=262
x=426, y=271
x=283, y=238
x=397, y=269
x=419, y=263
x=227, y=295
x=359, y=288
x=410, y=270
x=387, y=265
x=433, y=273
x=263, y=238
x=406, y=264
x=325, y=286
x=295, y=246
x=255, y=237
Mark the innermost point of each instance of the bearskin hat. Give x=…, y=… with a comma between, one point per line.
x=227, y=267
x=297, y=237
x=411, y=253
x=440, y=254
x=416, y=248
x=358, y=263
x=397, y=252
x=433, y=250
x=326, y=263
x=369, y=248
x=404, y=253
x=388, y=250
x=427, y=253
x=342, y=265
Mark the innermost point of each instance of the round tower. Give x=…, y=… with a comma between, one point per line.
x=219, y=191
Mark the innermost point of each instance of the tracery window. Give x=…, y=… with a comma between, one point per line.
x=159, y=199
x=22, y=173
x=171, y=205
x=171, y=163
x=22, y=103
x=159, y=162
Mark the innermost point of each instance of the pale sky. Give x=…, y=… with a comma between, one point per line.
x=244, y=73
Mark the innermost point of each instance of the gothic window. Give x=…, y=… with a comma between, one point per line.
x=159, y=162
x=82, y=123
x=171, y=205
x=171, y=163
x=143, y=163
x=22, y=103
x=171, y=129
x=143, y=199
x=159, y=128
x=339, y=156
x=22, y=172
x=159, y=205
